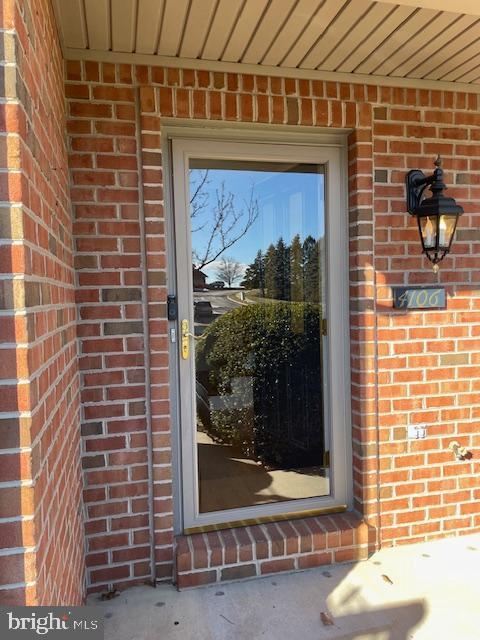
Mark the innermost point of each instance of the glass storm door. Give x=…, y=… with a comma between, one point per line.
x=251, y=249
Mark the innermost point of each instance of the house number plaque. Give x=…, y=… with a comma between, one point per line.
x=419, y=297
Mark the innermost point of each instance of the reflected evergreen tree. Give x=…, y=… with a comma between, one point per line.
x=282, y=270
x=296, y=270
x=288, y=272
x=255, y=275
x=311, y=270
x=270, y=262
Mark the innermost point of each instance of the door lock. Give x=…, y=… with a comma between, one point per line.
x=172, y=308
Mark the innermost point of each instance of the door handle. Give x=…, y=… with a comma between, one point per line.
x=186, y=335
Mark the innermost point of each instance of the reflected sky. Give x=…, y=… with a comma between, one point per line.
x=289, y=203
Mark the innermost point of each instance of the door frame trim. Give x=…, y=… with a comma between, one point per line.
x=271, y=134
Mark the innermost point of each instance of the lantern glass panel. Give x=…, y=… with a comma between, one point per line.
x=428, y=229
x=446, y=229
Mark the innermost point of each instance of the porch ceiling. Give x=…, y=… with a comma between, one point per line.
x=402, y=40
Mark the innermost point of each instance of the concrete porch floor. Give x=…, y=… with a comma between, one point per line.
x=427, y=591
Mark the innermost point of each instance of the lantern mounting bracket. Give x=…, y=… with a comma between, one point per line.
x=416, y=182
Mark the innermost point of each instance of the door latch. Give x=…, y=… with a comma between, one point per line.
x=185, y=339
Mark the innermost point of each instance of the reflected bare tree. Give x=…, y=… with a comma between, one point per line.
x=223, y=222
x=229, y=270
x=199, y=196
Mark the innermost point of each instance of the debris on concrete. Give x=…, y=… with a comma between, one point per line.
x=109, y=595
x=326, y=619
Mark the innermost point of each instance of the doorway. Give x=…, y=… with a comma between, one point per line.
x=254, y=227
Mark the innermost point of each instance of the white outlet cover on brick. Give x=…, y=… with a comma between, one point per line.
x=416, y=433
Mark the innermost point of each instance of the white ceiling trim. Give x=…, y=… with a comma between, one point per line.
x=468, y=7
x=263, y=70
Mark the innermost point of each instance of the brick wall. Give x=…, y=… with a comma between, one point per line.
x=406, y=367
x=41, y=532
x=428, y=371
x=105, y=193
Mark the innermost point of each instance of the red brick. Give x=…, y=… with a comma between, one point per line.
x=314, y=560
x=114, y=94
x=111, y=574
x=185, y=580
x=105, y=444
x=107, y=542
x=90, y=110
x=92, y=144
x=274, y=566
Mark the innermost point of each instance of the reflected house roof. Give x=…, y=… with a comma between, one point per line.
x=199, y=278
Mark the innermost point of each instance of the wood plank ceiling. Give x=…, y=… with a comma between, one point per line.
x=389, y=39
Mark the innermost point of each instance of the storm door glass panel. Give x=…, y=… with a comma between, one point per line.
x=258, y=261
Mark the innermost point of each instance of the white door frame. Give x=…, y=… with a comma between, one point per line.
x=325, y=149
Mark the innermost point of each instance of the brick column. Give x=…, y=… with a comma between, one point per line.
x=41, y=530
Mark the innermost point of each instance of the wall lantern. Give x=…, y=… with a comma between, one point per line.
x=437, y=216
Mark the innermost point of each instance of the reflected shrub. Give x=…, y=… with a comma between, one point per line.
x=261, y=368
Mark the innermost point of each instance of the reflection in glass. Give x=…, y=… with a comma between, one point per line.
x=257, y=233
